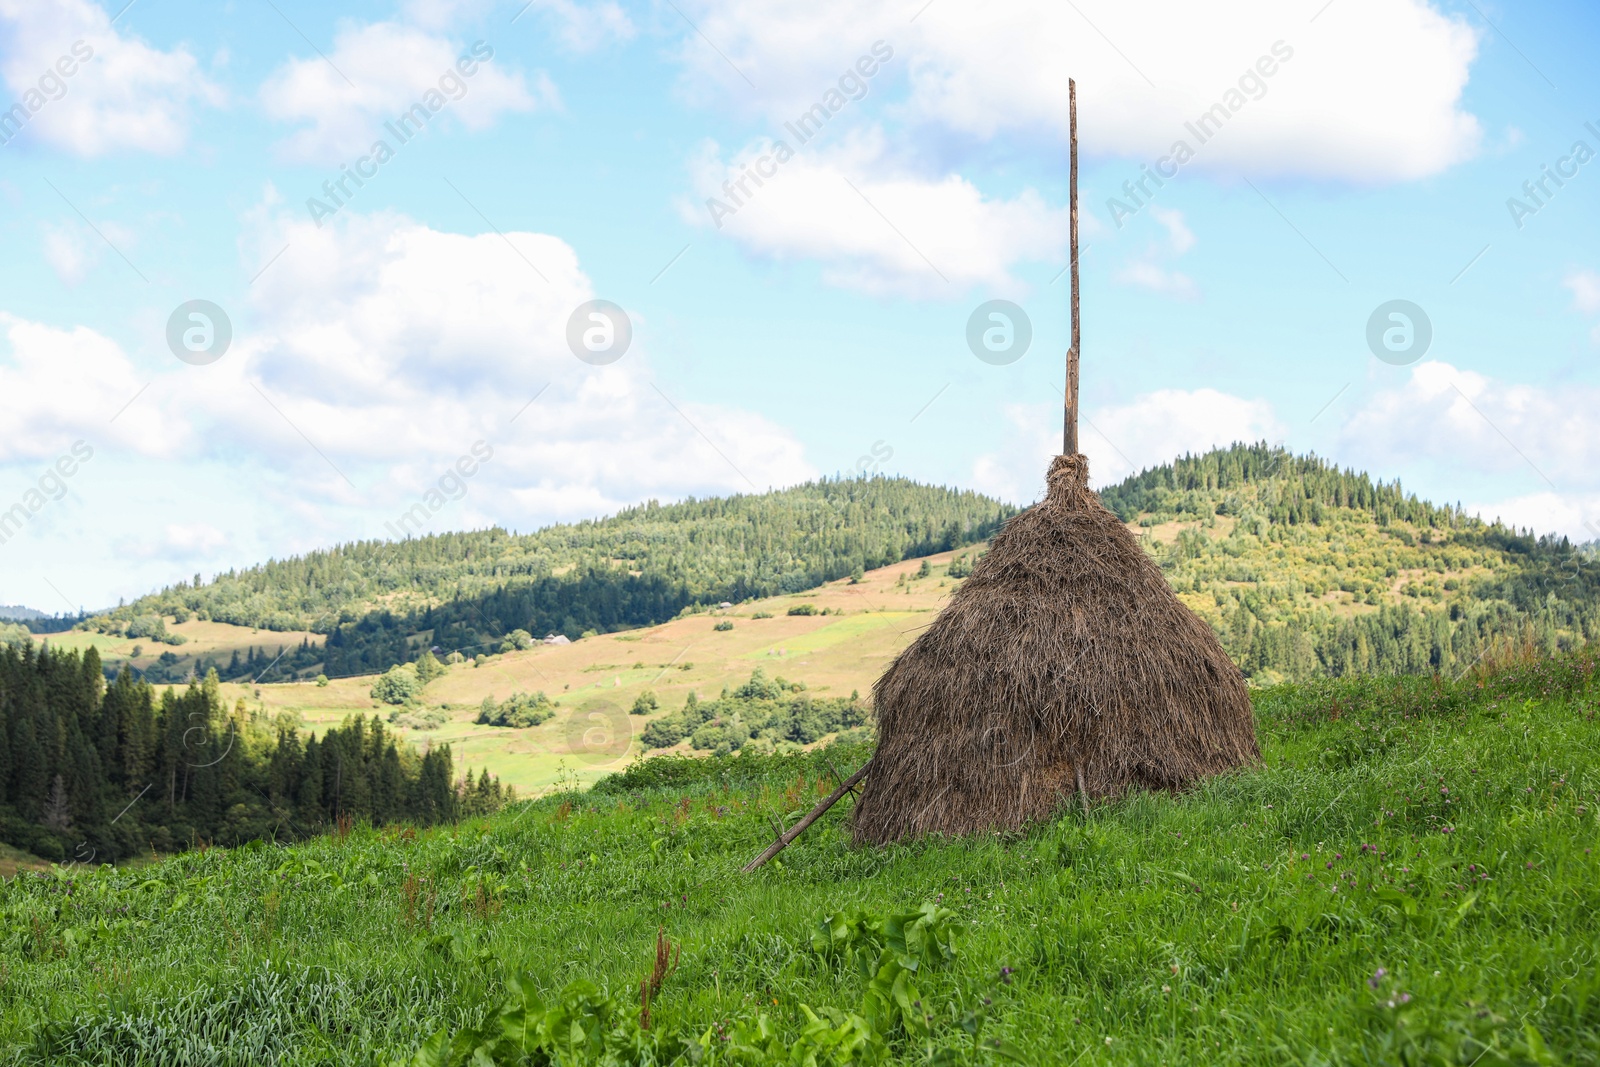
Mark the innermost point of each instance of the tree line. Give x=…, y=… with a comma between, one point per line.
x=96, y=772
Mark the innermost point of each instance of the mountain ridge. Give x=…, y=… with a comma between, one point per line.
x=1303, y=567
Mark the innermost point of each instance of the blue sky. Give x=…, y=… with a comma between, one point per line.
x=1365, y=152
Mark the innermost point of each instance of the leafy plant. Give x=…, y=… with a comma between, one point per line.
x=397, y=685
x=519, y=710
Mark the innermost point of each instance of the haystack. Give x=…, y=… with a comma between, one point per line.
x=1065, y=654
x=1065, y=663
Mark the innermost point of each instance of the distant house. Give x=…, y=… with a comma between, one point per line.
x=557, y=639
x=724, y=605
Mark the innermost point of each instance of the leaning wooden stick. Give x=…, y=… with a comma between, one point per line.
x=800, y=827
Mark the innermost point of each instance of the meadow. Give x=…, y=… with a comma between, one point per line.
x=1409, y=877
x=856, y=629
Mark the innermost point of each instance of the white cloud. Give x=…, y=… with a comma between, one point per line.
x=1459, y=422
x=1574, y=515
x=441, y=14
x=1156, y=278
x=1148, y=272
x=57, y=386
x=380, y=350
x=585, y=27
x=394, y=347
x=72, y=250
x=121, y=94
x=1585, y=286
x=1157, y=427
x=983, y=71
x=1122, y=439
x=67, y=251
x=1459, y=418
x=186, y=542
x=875, y=225
x=581, y=27
x=391, y=68
x=1179, y=235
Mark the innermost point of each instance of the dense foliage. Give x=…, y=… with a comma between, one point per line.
x=517, y=710
x=638, y=567
x=96, y=772
x=1306, y=570
x=1410, y=877
x=763, y=709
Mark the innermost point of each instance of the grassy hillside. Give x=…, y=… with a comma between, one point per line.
x=467, y=591
x=865, y=625
x=1410, y=877
x=1305, y=570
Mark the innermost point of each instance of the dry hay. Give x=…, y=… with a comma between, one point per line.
x=1065, y=651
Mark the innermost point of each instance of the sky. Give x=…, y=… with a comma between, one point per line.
x=279, y=275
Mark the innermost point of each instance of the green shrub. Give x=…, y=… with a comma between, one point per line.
x=425, y=719
x=771, y=709
x=428, y=668
x=519, y=710
x=397, y=685
x=803, y=609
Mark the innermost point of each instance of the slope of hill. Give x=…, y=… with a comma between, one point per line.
x=850, y=632
x=1308, y=570
x=642, y=566
x=1303, y=569
x=1408, y=878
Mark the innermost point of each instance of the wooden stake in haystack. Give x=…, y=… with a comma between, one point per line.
x=1064, y=664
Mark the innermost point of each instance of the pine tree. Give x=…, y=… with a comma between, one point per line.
x=57, y=809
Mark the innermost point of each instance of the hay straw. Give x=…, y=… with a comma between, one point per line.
x=1066, y=653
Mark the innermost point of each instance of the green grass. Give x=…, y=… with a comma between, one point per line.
x=836, y=633
x=1336, y=906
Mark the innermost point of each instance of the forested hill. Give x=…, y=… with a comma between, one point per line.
x=638, y=567
x=1306, y=570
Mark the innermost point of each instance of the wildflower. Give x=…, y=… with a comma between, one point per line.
x=1166, y=989
x=1377, y=976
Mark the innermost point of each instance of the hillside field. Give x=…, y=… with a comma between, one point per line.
x=1300, y=569
x=833, y=654
x=1410, y=877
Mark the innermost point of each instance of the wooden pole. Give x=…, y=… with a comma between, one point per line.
x=1070, y=436
x=800, y=827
